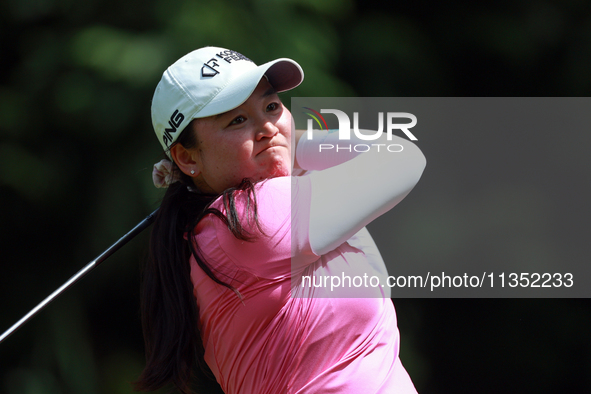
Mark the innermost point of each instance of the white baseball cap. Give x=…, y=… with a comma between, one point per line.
x=211, y=81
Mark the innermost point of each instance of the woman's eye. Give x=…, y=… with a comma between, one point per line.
x=238, y=120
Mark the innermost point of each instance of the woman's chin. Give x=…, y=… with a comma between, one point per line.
x=282, y=171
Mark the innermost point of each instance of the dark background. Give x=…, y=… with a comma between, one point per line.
x=77, y=146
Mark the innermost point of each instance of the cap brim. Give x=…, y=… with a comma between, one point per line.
x=283, y=74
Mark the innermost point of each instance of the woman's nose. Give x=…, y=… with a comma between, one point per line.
x=266, y=129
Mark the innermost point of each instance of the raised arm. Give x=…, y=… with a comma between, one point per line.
x=349, y=188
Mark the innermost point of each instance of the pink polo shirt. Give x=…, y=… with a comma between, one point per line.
x=283, y=337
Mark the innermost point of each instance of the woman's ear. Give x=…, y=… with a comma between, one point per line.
x=186, y=159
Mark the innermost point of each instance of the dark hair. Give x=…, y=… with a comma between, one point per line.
x=169, y=310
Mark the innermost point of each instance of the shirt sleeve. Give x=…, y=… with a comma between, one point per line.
x=350, y=188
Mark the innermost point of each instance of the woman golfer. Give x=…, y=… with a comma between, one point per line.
x=242, y=248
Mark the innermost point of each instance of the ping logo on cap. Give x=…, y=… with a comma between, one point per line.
x=175, y=121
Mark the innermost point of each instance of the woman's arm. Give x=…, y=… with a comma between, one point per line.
x=352, y=188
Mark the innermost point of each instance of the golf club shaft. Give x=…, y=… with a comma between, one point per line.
x=94, y=263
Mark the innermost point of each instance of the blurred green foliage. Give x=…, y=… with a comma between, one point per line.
x=76, y=150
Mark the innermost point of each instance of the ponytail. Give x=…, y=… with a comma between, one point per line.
x=170, y=317
x=169, y=312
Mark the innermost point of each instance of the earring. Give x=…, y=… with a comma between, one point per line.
x=192, y=172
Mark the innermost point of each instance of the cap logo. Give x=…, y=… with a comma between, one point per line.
x=208, y=68
x=175, y=121
x=229, y=56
